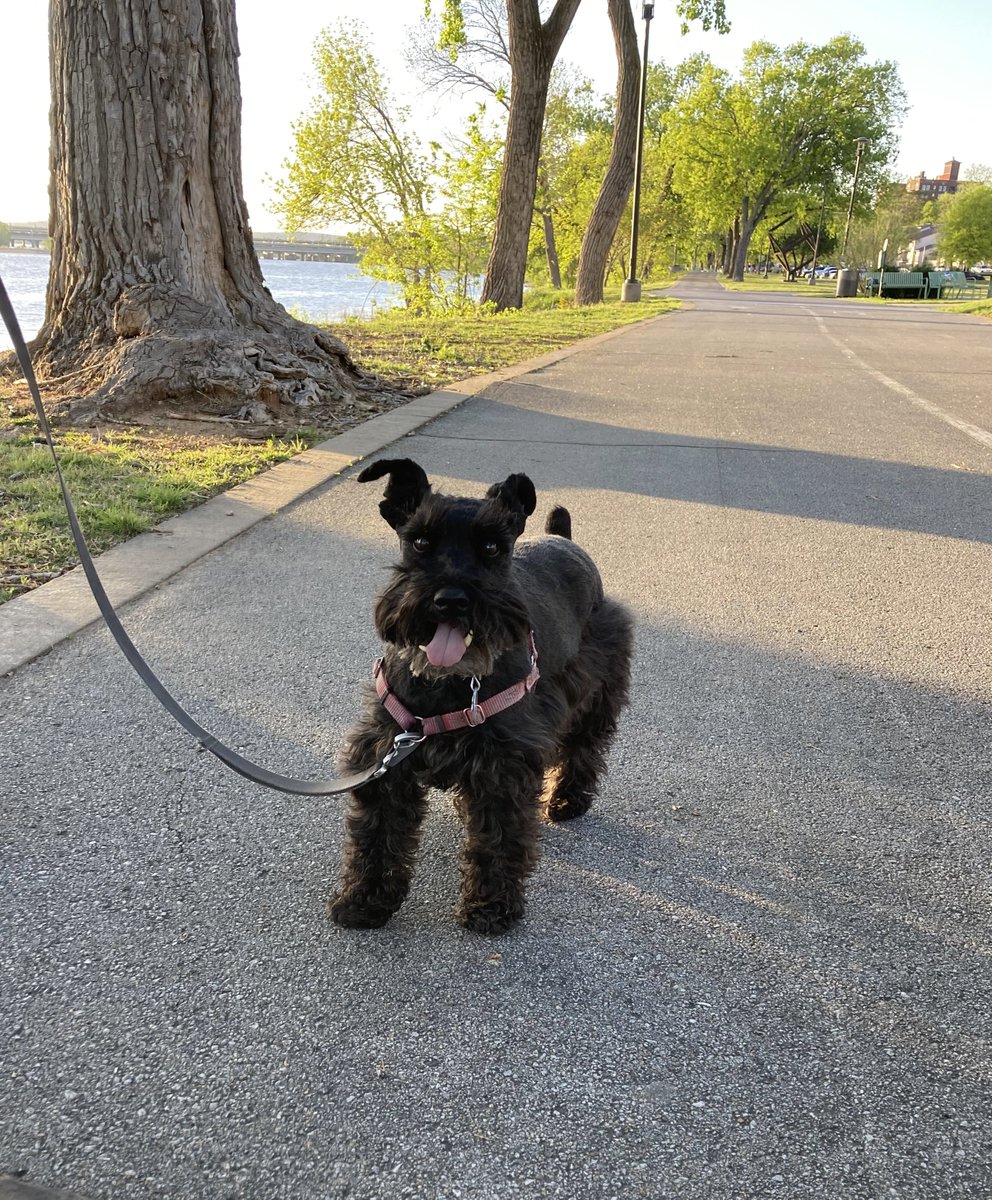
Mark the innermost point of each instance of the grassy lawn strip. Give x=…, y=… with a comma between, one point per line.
x=121, y=483
x=981, y=308
x=431, y=352
x=827, y=287
x=126, y=481
x=778, y=283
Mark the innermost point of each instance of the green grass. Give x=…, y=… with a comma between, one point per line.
x=123, y=483
x=982, y=308
x=827, y=287
x=778, y=283
x=430, y=352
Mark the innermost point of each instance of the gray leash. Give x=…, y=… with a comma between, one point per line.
x=403, y=744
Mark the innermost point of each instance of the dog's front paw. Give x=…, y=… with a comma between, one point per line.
x=355, y=912
x=490, y=919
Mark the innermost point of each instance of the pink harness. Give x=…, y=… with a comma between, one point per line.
x=467, y=718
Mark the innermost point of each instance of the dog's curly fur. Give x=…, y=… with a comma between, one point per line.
x=461, y=568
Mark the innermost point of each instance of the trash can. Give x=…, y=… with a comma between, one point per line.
x=847, y=282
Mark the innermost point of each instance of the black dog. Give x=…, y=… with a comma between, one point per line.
x=524, y=666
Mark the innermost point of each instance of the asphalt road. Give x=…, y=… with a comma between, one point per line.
x=759, y=968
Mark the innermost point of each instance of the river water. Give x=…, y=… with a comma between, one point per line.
x=319, y=291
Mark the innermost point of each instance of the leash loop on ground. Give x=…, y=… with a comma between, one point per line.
x=230, y=758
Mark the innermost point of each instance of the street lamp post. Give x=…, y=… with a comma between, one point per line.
x=631, y=290
x=861, y=143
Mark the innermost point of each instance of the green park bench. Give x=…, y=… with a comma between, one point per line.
x=924, y=284
x=958, y=287
x=906, y=281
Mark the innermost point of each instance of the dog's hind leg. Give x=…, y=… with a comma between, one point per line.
x=501, y=845
x=383, y=829
x=582, y=763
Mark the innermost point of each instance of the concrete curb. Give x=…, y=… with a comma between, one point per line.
x=35, y=622
x=14, y=1189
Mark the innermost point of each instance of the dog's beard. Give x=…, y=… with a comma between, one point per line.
x=475, y=661
x=434, y=648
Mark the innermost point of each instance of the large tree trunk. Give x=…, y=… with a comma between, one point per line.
x=619, y=178
x=751, y=216
x=730, y=250
x=745, y=228
x=155, y=299
x=533, y=48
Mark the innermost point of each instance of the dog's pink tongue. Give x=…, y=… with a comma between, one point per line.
x=446, y=647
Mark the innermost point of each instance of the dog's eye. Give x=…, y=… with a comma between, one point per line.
x=421, y=544
x=491, y=549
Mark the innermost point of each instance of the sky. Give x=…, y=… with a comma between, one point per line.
x=941, y=51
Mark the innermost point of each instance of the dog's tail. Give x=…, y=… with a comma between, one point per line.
x=559, y=522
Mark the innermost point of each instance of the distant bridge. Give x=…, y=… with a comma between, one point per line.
x=304, y=251
x=32, y=235
x=320, y=249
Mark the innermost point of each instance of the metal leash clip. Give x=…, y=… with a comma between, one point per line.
x=474, y=715
x=404, y=745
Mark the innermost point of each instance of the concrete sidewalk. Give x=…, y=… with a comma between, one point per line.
x=760, y=966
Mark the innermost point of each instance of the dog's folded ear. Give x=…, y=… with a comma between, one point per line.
x=408, y=485
x=518, y=495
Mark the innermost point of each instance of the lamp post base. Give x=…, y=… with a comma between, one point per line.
x=630, y=293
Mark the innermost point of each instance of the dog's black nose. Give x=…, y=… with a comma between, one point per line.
x=451, y=602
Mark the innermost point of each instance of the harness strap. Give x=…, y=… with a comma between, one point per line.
x=403, y=744
x=466, y=718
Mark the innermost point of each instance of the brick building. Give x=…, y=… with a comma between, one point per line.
x=930, y=188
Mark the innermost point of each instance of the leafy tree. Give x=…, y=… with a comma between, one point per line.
x=566, y=117
x=789, y=121
x=355, y=164
x=964, y=226
x=579, y=179
x=479, y=59
x=469, y=182
x=619, y=177
x=155, y=296
x=895, y=218
x=667, y=222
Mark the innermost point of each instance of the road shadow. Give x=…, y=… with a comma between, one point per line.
x=570, y=452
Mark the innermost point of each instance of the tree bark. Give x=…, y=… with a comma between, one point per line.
x=619, y=178
x=533, y=48
x=551, y=249
x=730, y=253
x=155, y=298
x=751, y=215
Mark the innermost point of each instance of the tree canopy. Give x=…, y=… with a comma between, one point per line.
x=781, y=131
x=726, y=154
x=964, y=226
